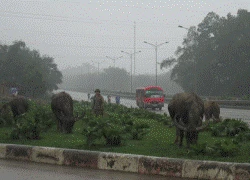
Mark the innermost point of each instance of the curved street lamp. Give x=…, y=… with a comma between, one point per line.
x=195, y=71
x=182, y=27
x=156, y=46
x=114, y=58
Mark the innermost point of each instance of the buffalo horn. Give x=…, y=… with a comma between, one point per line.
x=178, y=125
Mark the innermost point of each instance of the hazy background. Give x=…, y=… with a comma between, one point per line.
x=82, y=31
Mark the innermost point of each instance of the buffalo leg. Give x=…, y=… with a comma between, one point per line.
x=177, y=135
x=191, y=138
x=181, y=137
x=188, y=138
x=59, y=123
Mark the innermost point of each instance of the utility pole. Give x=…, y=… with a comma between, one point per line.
x=131, y=76
x=98, y=64
x=134, y=44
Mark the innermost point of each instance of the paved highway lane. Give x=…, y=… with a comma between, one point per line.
x=19, y=170
x=225, y=112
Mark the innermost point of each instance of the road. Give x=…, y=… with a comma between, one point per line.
x=225, y=112
x=19, y=170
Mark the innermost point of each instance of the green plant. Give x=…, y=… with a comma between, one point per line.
x=26, y=127
x=29, y=125
x=228, y=127
x=114, y=134
x=139, y=130
x=227, y=148
x=223, y=148
x=243, y=137
x=201, y=148
x=44, y=116
x=6, y=117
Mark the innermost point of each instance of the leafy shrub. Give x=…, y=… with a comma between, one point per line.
x=220, y=149
x=242, y=137
x=227, y=148
x=228, y=127
x=44, y=116
x=92, y=130
x=29, y=125
x=115, y=127
x=26, y=127
x=107, y=127
x=139, y=130
x=201, y=148
x=114, y=134
x=6, y=117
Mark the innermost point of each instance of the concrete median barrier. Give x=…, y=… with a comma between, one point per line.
x=117, y=161
x=81, y=158
x=169, y=167
x=160, y=166
x=47, y=155
x=18, y=152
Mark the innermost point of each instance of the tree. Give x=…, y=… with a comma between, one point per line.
x=34, y=73
x=115, y=79
x=215, y=57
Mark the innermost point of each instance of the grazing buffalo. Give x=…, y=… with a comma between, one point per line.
x=212, y=110
x=186, y=111
x=19, y=105
x=62, y=107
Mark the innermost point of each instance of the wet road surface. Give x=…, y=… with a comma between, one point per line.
x=242, y=114
x=20, y=170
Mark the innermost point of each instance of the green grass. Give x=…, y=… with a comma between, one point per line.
x=158, y=142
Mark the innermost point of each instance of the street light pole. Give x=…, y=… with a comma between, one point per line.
x=156, y=64
x=131, y=76
x=156, y=46
x=114, y=59
x=195, y=70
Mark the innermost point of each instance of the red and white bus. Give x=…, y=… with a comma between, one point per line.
x=150, y=97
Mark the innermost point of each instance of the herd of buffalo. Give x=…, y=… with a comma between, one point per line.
x=186, y=110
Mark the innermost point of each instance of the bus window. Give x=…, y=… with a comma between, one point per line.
x=153, y=93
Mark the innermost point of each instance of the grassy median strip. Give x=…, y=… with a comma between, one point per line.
x=139, y=132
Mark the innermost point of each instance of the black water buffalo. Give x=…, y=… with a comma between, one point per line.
x=19, y=105
x=212, y=110
x=62, y=107
x=186, y=111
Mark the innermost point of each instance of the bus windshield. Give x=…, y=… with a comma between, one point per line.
x=153, y=93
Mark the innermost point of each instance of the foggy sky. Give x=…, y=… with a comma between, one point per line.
x=82, y=31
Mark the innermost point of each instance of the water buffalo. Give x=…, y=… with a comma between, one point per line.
x=186, y=111
x=62, y=107
x=19, y=105
x=212, y=110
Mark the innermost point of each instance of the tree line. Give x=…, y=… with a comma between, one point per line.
x=115, y=79
x=214, y=58
x=33, y=73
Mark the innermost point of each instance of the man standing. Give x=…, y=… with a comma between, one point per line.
x=117, y=99
x=98, y=103
x=13, y=91
x=109, y=99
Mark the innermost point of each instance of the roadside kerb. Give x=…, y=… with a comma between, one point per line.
x=169, y=167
